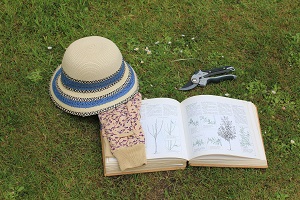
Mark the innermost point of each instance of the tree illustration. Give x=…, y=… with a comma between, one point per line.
x=155, y=132
x=171, y=144
x=227, y=130
x=207, y=120
x=193, y=123
x=198, y=143
x=214, y=141
x=170, y=128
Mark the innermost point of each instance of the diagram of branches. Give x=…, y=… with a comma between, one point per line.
x=214, y=141
x=198, y=143
x=227, y=130
x=171, y=144
x=245, y=137
x=169, y=128
x=155, y=131
x=208, y=120
x=193, y=123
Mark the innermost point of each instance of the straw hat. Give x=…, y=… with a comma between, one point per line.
x=92, y=78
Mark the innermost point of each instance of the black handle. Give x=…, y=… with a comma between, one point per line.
x=221, y=78
x=217, y=69
x=220, y=70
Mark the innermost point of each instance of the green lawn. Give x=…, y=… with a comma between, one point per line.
x=48, y=154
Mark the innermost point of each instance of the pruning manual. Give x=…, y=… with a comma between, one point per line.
x=202, y=130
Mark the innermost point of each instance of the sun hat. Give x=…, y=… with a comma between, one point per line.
x=92, y=78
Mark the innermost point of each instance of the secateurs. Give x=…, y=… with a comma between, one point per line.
x=202, y=78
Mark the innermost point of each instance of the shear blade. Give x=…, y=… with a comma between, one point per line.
x=188, y=86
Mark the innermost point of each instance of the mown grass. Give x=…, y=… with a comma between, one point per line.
x=47, y=154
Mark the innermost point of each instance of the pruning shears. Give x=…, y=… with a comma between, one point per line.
x=202, y=78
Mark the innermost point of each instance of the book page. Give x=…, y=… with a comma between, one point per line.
x=220, y=125
x=161, y=120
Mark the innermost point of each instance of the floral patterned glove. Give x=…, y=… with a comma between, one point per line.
x=125, y=134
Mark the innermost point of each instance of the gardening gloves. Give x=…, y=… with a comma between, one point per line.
x=124, y=132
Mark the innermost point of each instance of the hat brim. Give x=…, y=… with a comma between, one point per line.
x=91, y=103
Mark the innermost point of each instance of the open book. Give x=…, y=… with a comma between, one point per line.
x=203, y=130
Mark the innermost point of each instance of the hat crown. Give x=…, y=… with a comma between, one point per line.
x=91, y=58
x=92, y=78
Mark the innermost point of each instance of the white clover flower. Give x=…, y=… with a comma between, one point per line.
x=142, y=62
x=292, y=142
x=273, y=92
x=183, y=35
x=181, y=51
x=149, y=52
x=49, y=48
x=193, y=38
x=227, y=94
x=169, y=42
x=157, y=42
x=136, y=49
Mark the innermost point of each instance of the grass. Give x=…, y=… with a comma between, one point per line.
x=48, y=154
